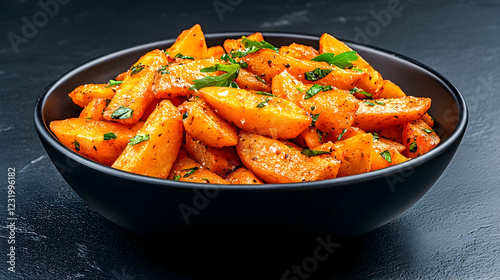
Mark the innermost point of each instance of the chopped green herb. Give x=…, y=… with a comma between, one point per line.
x=109, y=136
x=77, y=145
x=386, y=155
x=428, y=130
x=300, y=89
x=315, y=89
x=229, y=59
x=107, y=102
x=357, y=90
x=316, y=74
x=224, y=80
x=341, y=134
x=167, y=53
x=138, y=139
x=137, y=68
x=179, y=55
x=320, y=134
x=220, y=67
x=314, y=119
x=263, y=103
x=369, y=103
x=113, y=83
x=88, y=118
x=312, y=153
x=260, y=79
x=313, y=108
x=185, y=115
x=343, y=60
x=177, y=177
x=163, y=70
x=205, y=179
x=413, y=147
x=357, y=69
x=122, y=113
x=190, y=172
x=252, y=46
x=264, y=93
x=375, y=136
x=379, y=102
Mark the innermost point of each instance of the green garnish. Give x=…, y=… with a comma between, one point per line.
x=224, y=80
x=177, y=177
x=205, y=179
x=369, y=103
x=77, y=145
x=300, y=89
x=386, y=155
x=88, y=118
x=379, y=102
x=122, y=113
x=428, y=130
x=229, y=59
x=341, y=134
x=185, y=115
x=265, y=93
x=357, y=90
x=260, y=79
x=190, y=172
x=312, y=153
x=342, y=60
x=263, y=103
x=316, y=74
x=137, y=68
x=113, y=83
x=313, y=108
x=314, y=119
x=413, y=147
x=109, y=136
x=315, y=89
x=252, y=46
x=163, y=70
x=179, y=55
x=138, y=139
x=375, y=136
x=167, y=53
x=357, y=69
x=320, y=134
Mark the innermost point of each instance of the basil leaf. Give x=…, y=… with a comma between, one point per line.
x=138, y=139
x=224, y=80
x=113, y=83
x=190, y=172
x=316, y=74
x=413, y=147
x=109, y=136
x=342, y=60
x=341, y=134
x=179, y=55
x=312, y=153
x=77, y=145
x=386, y=155
x=122, y=113
x=264, y=93
x=137, y=68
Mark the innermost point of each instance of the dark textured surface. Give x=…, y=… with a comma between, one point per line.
x=452, y=233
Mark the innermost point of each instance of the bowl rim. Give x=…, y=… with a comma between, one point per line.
x=456, y=135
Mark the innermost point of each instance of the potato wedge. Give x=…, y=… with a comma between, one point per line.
x=299, y=51
x=390, y=90
x=419, y=138
x=214, y=52
x=311, y=137
x=250, y=81
x=87, y=137
x=236, y=45
x=94, y=109
x=386, y=112
x=275, y=162
x=134, y=94
x=243, y=176
x=82, y=95
x=191, y=42
x=286, y=86
x=265, y=115
x=188, y=170
x=162, y=137
x=391, y=158
x=203, y=124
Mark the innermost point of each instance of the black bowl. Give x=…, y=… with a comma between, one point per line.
x=345, y=207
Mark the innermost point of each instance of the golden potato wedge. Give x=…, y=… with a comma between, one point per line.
x=191, y=42
x=82, y=95
x=94, y=109
x=243, y=176
x=188, y=170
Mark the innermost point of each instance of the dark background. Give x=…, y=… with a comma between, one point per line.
x=452, y=233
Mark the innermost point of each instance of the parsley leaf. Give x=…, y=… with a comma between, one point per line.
x=316, y=74
x=138, y=139
x=220, y=67
x=320, y=134
x=413, y=147
x=357, y=90
x=315, y=89
x=113, y=83
x=224, y=80
x=342, y=60
x=109, y=136
x=260, y=79
x=357, y=69
x=137, y=68
x=179, y=55
x=122, y=113
x=251, y=47
x=229, y=59
x=312, y=153
x=379, y=102
x=386, y=155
